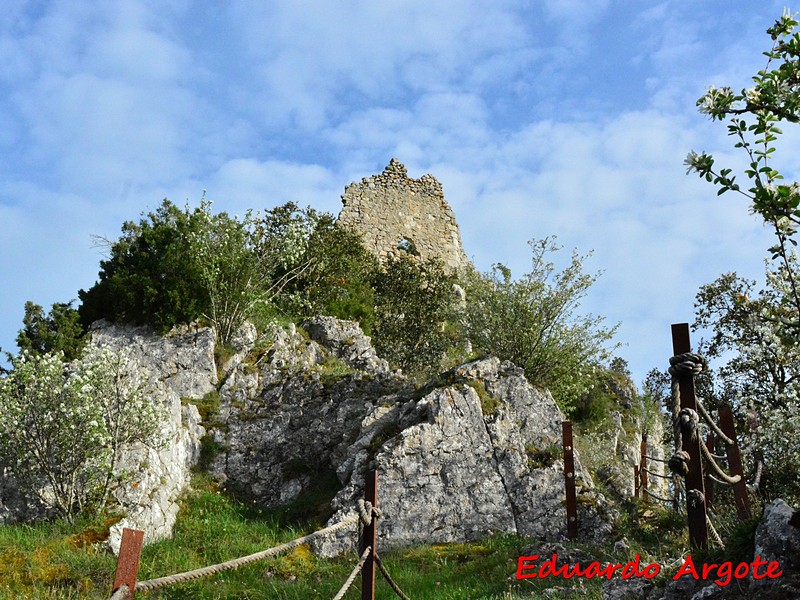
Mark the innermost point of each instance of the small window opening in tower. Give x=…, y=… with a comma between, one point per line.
x=406, y=245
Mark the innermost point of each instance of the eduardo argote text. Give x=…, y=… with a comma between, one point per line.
x=724, y=572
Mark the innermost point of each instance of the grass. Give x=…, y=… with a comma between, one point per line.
x=54, y=560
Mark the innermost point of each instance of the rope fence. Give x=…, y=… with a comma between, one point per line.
x=125, y=584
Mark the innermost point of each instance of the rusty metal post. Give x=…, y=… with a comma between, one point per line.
x=130, y=552
x=695, y=494
x=636, y=480
x=735, y=464
x=569, y=480
x=643, y=467
x=709, y=483
x=370, y=538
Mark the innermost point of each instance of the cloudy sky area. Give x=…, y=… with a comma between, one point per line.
x=540, y=117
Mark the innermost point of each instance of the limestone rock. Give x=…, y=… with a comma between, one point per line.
x=181, y=367
x=778, y=538
x=456, y=464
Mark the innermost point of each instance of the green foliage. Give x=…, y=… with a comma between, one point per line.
x=58, y=331
x=413, y=301
x=531, y=321
x=235, y=271
x=338, y=281
x=62, y=431
x=753, y=116
x=151, y=276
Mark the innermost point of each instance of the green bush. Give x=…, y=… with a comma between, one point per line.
x=531, y=321
x=413, y=301
x=151, y=276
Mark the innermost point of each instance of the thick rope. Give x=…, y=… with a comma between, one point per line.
x=366, y=511
x=715, y=479
x=122, y=593
x=389, y=579
x=717, y=469
x=714, y=533
x=154, y=584
x=353, y=574
x=707, y=418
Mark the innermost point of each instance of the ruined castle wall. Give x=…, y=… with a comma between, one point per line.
x=397, y=215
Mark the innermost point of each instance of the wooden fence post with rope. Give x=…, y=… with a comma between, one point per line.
x=689, y=452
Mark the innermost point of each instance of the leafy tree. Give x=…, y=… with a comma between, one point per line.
x=760, y=329
x=753, y=116
x=236, y=269
x=63, y=429
x=532, y=322
x=151, y=276
x=58, y=331
x=761, y=375
x=341, y=272
x=413, y=302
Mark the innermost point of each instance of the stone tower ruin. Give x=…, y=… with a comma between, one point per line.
x=397, y=215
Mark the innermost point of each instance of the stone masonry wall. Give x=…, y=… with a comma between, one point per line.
x=393, y=211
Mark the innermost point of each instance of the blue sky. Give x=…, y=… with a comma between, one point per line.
x=552, y=117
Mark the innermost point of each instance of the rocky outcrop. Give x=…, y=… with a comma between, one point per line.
x=291, y=404
x=479, y=453
x=475, y=452
x=180, y=367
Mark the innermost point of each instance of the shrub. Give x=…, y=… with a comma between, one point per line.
x=63, y=427
x=413, y=301
x=531, y=321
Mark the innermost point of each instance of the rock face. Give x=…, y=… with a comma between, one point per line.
x=181, y=367
x=475, y=452
x=397, y=215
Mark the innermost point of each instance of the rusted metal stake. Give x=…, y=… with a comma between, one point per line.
x=569, y=480
x=370, y=538
x=709, y=484
x=130, y=552
x=695, y=494
x=735, y=464
x=642, y=467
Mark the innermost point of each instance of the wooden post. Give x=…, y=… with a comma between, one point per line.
x=370, y=538
x=735, y=463
x=695, y=494
x=569, y=480
x=642, y=467
x=130, y=552
x=709, y=483
x=636, y=480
